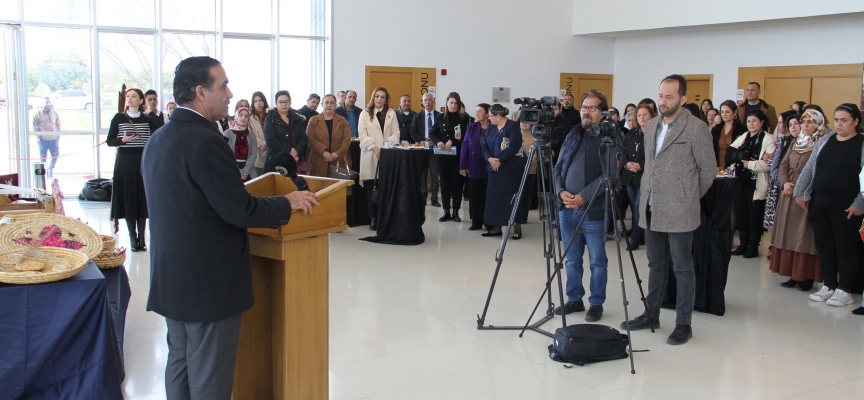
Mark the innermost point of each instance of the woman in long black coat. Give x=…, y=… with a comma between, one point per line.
x=129, y=132
x=284, y=131
x=502, y=149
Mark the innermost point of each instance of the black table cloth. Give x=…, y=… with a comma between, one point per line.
x=57, y=340
x=712, y=249
x=119, y=293
x=357, y=206
x=401, y=206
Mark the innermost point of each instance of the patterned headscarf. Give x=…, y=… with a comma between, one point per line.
x=806, y=143
x=236, y=115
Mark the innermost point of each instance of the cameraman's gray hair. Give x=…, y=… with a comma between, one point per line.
x=428, y=94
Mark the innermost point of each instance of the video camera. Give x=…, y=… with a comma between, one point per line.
x=537, y=112
x=607, y=127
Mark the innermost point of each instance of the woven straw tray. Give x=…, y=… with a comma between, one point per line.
x=50, y=230
x=40, y=264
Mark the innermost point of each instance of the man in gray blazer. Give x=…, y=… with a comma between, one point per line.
x=679, y=169
x=200, y=270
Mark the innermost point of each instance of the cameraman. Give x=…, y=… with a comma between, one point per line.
x=578, y=176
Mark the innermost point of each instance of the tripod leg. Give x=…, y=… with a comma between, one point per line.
x=611, y=198
x=620, y=220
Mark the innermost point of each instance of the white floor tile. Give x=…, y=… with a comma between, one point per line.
x=390, y=374
x=469, y=360
x=533, y=382
x=449, y=391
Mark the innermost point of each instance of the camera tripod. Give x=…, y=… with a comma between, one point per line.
x=553, y=254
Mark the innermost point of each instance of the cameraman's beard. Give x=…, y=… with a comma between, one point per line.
x=669, y=111
x=587, y=123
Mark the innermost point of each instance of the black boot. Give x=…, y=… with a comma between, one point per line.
x=133, y=243
x=142, y=227
x=456, y=217
x=446, y=217
x=806, y=285
x=790, y=283
x=752, y=249
x=742, y=248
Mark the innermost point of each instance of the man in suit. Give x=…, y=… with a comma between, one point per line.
x=311, y=108
x=350, y=112
x=152, y=100
x=753, y=103
x=200, y=272
x=427, y=124
x=405, y=116
x=679, y=169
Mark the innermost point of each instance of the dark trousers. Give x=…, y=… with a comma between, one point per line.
x=680, y=246
x=369, y=187
x=749, y=215
x=838, y=241
x=201, y=357
x=434, y=172
x=477, y=204
x=452, y=182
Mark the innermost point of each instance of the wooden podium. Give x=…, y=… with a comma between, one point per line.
x=283, y=351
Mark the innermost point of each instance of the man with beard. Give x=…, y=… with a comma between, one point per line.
x=578, y=178
x=47, y=120
x=568, y=111
x=679, y=169
x=349, y=112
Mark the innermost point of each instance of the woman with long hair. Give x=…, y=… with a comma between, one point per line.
x=748, y=155
x=129, y=132
x=828, y=190
x=713, y=118
x=284, y=131
x=454, y=122
x=377, y=124
x=707, y=105
x=502, y=147
x=794, y=253
x=631, y=169
x=473, y=166
x=329, y=139
x=256, y=124
x=726, y=133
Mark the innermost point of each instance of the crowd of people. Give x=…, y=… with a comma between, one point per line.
x=794, y=174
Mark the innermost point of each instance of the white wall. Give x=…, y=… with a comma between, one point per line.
x=641, y=62
x=510, y=43
x=611, y=18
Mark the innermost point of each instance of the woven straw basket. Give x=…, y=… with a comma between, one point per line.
x=40, y=264
x=108, y=242
x=110, y=258
x=50, y=230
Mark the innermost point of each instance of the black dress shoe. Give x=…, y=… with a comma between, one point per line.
x=790, y=283
x=571, y=307
x=641, y=322
x=446, y=217
x=742, y=248
x=858, y=311
x=491, y=234
x=594, y=313
x=633, y=246
x=456, y=217
x=806, y=285
x=475, y=228
x=142, y=244
x=133, y=243
x=752, y=252
x=435, y=203
x=680, y=335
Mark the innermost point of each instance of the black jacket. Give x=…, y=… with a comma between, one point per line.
x=634, y=142
x=276, y=138
x=199, y=211
x=307, y=112
x=418, y=126
x=737, y=129
x=448, y=132
x=572, y=114
x=405, y=121
x=158, y=120
x=560, y=129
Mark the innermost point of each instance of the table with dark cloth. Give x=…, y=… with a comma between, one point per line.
x=712, y=249
x=358, y=208
x=119, y=293
x=401, y=206
x=58, y=340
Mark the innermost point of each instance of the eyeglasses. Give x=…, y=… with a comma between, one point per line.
x=283, y=102
x=589, y=108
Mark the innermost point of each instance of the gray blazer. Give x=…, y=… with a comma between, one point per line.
x=804, y=186
x=249, y=169
x=679, y=175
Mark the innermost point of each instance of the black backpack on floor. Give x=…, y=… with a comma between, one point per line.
x=588, y=343
x=97, y=190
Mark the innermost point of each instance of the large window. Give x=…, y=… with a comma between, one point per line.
x=79, y=53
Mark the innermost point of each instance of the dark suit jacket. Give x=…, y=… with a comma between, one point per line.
x=199, y=211
x=448, y=132
x=158, y=120
x=405, y=121
x=418, y=127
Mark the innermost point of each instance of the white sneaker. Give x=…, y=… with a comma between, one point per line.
x=840, y=299
x=822, y=295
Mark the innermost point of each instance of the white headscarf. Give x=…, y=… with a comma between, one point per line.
x=806, y=143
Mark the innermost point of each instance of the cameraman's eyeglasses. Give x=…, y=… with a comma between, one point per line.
x=589, y=108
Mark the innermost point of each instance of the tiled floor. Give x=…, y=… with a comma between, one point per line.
x=403, y=326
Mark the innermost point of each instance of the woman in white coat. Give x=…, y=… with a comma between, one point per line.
x=377, y=125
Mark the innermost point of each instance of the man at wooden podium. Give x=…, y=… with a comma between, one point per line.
x=200, y=272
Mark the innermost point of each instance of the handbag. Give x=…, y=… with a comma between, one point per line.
x=303, y=167
x=341, y=173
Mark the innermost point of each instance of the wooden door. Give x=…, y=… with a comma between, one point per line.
x=398, y=81
x=831, y=92
x=782, y=92
x=578, y=84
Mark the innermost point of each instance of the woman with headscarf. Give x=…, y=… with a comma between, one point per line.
x=828, y=190
x=502, y=147
x=794, y=253
x=243, y=144
x=748, y=155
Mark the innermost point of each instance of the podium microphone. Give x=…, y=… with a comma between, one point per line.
x=286, y=166
x=301, y=184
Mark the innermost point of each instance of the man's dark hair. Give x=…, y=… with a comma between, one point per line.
x=340, y=92
x=191, y=73
x=149, y=92
x=682, y=83
x=313, y=96
x=694, y=109
x=755, y=83
x=604, y=105
x=405, y=95
x=349, y=91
